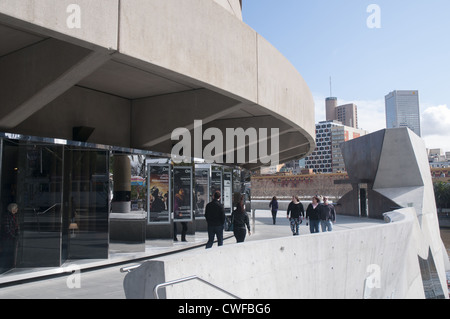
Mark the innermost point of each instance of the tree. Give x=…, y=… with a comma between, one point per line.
x=442, y=195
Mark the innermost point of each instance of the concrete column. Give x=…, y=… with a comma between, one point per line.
x=125, y=225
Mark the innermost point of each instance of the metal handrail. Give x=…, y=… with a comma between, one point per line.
x=48, y=209
x=129, y=268
x=181, y=280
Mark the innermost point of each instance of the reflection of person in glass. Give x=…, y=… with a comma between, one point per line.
x=199, y=202
x=10, y=237
x=157, y=205
x=178, y=202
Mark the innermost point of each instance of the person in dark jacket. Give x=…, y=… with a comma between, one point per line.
x=274, y=208
x=240, y=221
x=313, y=215
x=295, y=213
x=178, y=202
x=10, y=237
x=215, y=218
x=327, y=215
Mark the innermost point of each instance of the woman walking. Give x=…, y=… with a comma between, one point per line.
x=295, y=213
x=313, y=215
x=240, y=220
x=274, y=208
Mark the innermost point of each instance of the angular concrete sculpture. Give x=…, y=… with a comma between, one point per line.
x=394, y=167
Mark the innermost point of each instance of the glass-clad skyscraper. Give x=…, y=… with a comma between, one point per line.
x=403, y=110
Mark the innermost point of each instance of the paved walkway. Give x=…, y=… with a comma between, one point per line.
x=107, y=282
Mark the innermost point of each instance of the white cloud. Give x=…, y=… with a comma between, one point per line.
x=319, y=102
x=371, y=115
x=435, y=122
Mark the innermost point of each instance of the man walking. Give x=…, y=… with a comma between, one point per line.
x=215, y=218
x=327, y=215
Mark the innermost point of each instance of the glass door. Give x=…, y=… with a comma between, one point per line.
x=86, y=204
x=32, y=182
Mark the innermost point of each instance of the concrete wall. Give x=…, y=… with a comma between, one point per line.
x=361, y=263
x=100, y=18
x=203, y=33
x=233, y=6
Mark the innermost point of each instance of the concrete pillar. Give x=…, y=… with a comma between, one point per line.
x=125, y=225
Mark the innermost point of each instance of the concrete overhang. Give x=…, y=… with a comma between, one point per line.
x=136, y=70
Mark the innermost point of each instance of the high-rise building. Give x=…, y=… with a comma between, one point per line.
x=341, y=134
x=346, y=114
x=330, y=108
x=403, y=110
x=327, y=157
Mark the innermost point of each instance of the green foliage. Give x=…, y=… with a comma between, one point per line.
x=442, y=194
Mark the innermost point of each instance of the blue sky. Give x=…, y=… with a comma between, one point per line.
x=323, y=38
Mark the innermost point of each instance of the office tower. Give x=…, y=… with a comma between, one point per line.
x=403, y=110
x=327, y=157
x=341, y=134
x=330, y=108
x=346, y=114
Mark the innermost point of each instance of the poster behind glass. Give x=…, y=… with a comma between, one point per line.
x=159, y=191
x=216, y=183
x=182, y=199
x=201, y=192
x=227, y=192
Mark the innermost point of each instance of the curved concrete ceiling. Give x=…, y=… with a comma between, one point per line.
x=136, y=70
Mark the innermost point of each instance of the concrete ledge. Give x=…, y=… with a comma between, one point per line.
x=343, y=262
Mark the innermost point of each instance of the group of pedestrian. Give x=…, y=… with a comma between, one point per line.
x=215, y=218
x=322, y=213
x=317, y=213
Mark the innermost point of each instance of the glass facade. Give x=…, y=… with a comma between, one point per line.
x=59, y=200
x=61, y=193
x=32, y=177
x=86, y=203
